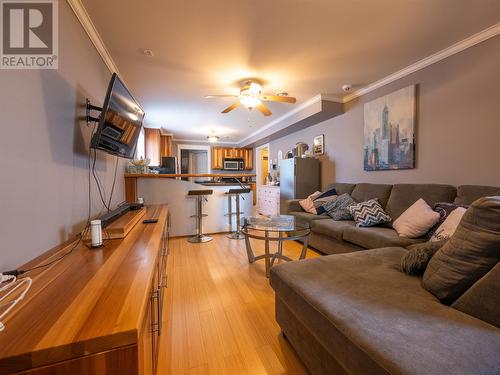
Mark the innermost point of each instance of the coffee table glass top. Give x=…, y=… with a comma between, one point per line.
x=282, y=223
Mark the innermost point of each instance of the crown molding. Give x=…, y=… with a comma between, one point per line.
x=471, y=41
x=204, y=141
x=90, y=29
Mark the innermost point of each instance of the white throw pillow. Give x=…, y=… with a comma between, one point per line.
x=446, y=230
x=416, y=220
x=307, y=204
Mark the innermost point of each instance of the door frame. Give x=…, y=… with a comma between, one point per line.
x=258, y=169
x=193, y=147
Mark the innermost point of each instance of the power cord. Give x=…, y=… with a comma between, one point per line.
x=12, y=288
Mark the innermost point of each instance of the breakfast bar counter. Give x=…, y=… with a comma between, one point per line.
x=171, y=189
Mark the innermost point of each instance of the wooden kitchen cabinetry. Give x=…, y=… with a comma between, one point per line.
x=221, y=153
x=217, y=158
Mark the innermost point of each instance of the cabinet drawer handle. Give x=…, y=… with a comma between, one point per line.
x=164, y=283
x=159, y=309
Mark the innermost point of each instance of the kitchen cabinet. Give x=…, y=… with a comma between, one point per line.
x=221, y=153
x=217, y=158
x=248, y=158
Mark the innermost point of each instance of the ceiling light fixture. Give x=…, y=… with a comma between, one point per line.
x=212, y=138
x=249, y=101
x=249, y=95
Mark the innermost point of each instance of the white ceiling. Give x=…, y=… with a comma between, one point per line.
x=304, y=47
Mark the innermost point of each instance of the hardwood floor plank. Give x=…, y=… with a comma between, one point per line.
x=220, y=313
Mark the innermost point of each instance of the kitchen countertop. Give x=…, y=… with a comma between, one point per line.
x=209, y=183
x=221, y=175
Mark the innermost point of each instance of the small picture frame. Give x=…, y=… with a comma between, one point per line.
x=319, y=145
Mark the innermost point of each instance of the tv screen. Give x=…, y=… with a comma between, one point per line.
x=120, y=121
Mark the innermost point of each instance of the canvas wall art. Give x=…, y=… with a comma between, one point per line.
x=389, y=133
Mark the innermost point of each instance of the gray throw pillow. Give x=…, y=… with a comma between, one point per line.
x=415, y=261
x=369, y=213
x=472, y=251
x=338, y=209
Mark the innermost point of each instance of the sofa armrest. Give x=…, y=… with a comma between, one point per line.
x=292, y=205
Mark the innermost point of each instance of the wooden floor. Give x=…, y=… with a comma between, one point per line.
x=219, y=312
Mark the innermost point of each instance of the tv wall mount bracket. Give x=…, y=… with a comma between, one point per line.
x=90, y=107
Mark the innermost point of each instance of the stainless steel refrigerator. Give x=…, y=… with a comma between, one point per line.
x=299, y=178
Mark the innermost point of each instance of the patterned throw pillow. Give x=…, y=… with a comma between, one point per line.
x=446, y=230
x=338, y=209
x=369, y=213
x=444, y=209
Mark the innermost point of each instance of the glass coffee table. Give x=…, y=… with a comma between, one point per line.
x=278, y=229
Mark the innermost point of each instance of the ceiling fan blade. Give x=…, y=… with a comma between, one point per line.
x=231, y=107
x=265, y=111
x=220, y=96
x=278, y=98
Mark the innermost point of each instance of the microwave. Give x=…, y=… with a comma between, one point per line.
x=234, y=164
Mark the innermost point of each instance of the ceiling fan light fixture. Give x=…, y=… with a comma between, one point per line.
x=249, y=101
x=254, y=89
x=212, y=138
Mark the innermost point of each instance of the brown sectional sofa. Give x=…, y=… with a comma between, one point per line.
x=330, y=237
x=356, y=313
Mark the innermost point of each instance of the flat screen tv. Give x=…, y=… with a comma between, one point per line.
x=120, y=121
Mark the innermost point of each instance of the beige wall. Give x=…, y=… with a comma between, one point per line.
x=458, y=125
x=43, y=147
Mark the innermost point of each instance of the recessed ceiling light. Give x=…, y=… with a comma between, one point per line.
x=147, y=52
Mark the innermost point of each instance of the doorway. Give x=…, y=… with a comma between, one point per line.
x=262, y=161
x=194, y=159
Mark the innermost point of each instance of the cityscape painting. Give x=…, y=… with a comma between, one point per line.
x=389, y=138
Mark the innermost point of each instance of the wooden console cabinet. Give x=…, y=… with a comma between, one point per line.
x=97, y=311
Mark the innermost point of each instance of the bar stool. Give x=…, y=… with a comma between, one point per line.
x=235, y=235
x=200, y=196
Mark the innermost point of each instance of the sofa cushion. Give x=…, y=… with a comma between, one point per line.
x=307, y=217
x=375, y=237
x=472, y=251
x=331, y=228
x=342, y=188
x=482, y=299
x=466, y=194
x=364, y=192
x=404, y=195
x=362, y=310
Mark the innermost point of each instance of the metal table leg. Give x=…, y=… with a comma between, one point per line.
x=250, y=254
x=266, y=250
x=304, y=248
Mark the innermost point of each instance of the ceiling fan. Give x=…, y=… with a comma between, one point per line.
x=251, y=97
